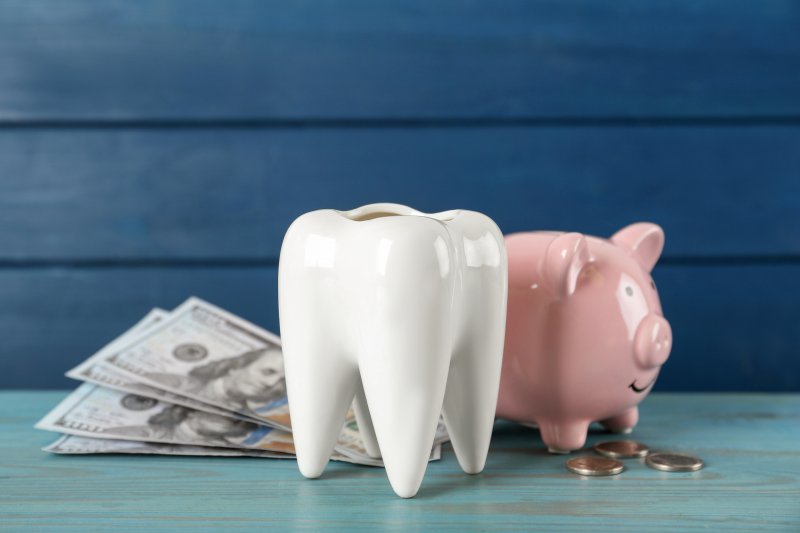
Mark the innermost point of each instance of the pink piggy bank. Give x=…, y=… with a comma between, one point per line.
x=585, y=335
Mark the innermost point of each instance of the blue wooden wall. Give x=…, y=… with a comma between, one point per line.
x=156, y=149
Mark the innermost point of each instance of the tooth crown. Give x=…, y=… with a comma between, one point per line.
x=403, y=311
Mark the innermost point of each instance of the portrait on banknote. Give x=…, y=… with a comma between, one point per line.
x=248, y=381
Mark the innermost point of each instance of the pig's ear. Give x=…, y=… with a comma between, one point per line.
x=643, y=241
x=565, y=258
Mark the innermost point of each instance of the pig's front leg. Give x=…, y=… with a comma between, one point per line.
x=563, y=437
x=623, y=422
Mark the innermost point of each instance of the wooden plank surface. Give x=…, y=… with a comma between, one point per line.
x=160, y=148
x=410, y=59
x=122, y=194
x=751, y=481
x=735, y=327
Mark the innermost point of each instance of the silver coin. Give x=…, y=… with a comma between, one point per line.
x=621, y=449
x=673, y=462
x=595, y=466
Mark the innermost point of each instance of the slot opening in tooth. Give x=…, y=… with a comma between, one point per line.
x=371, y=216
x=446, y=216
x=375, y=211
x=443, y=217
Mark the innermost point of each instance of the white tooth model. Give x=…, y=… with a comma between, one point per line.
x=404, y=312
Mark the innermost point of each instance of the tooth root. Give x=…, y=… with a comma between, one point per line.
x=469, y=404
x=321, y=387
x=364, y=421
x=404, y=375
x=470, y=401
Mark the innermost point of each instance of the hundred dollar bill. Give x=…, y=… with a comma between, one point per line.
x=92, y=411
x=349, y=445
x=99, y=413
x=209, y=355
x=238, y=382
x=100, y=374
x=73, y=445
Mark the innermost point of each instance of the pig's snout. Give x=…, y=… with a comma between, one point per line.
x=653, y=341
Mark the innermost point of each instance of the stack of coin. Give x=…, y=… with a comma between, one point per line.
x=595, y=466
x=621, y=449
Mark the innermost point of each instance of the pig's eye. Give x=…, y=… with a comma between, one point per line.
x=653, y=284
x=629, y=291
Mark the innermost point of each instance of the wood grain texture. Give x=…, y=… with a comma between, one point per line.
x=751, y=481
x=734, y=326
x=155, y=149
x=125, y=194
x=190, y=59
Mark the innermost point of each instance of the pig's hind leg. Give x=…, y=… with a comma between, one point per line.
x=623, y=422
x=563, y=437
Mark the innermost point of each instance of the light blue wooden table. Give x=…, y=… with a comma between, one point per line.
x=751, y=444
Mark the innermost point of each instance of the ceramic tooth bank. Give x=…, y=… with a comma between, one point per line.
x=586, y=335
x=403, y=311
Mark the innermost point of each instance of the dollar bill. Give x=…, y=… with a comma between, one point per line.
x=106, y=414
x=349, y=444
x=92, y=411
x=73, y=445
x=101, y=374
x=205, y=359
x=96, y=372
x=206, y=354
